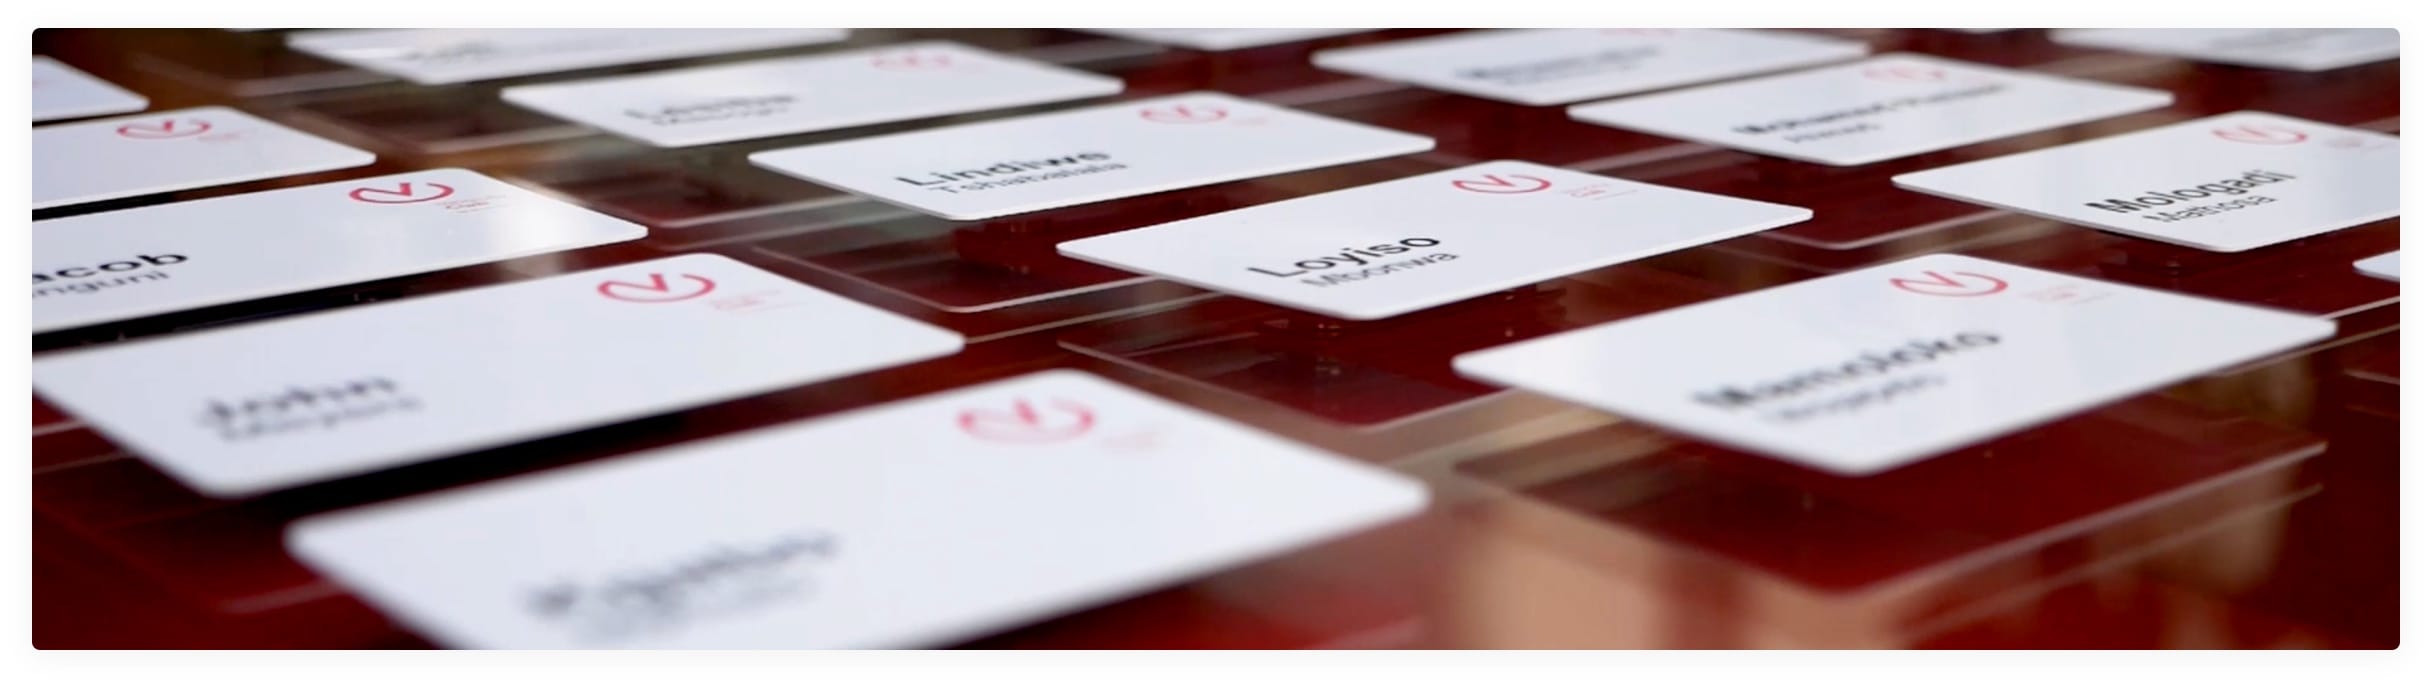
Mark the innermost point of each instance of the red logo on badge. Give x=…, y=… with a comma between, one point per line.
x=166, y=129
x=1503, y=183
x=1060, y=420
x=2260, y=134
x=658, y=290
x=1956, y=285
x=1907, y=72
x=912, y=60
x=1184, y=114
x=406, y=192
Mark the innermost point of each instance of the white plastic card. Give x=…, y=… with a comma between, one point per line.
x=1868, y=370
x=253, y=408
x=907, y=525
x=1399, y=246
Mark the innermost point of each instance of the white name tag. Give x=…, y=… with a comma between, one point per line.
x=441, y=56
x=1870, y=111
x=159, y=152
x=1223, y=39
x=1557, y=66
x=1400, y=246
x=65, y=92
x=2228, y=183
x=255, y=408
x=2288, y=49
x=913, y=524
x=1868, y=370
x=803, y=94
x=95, y=268
x=2383, y=266
x=1075, y=157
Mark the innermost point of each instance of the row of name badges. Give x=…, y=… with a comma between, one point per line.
x=1057, y=490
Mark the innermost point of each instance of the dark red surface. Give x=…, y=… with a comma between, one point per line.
x=2254, y=507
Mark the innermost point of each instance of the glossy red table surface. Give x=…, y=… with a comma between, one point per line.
x=2254, y=507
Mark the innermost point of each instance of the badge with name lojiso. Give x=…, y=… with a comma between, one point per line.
x=1400, y=246
x=1868, y=370
x=1060, y=159
x=2228, y=183
x=1884, y=108
x=913, y=524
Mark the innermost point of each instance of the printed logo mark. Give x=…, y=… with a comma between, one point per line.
x=165, y=129
x=405, y=192
x=1503, y=183
x=1184, y=114
x=1907, y=72
x=911, y=60
x=1956, y=284
x=2260, y=134
x=1061, y=420
x=658, y=290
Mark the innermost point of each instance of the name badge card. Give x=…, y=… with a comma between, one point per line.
x=1400, y=246
x=1040, y=162
x=108, y=266
x=244, y=410
x=2285, y=49
x=65, y=92
x=2382, y=266
x=160, y=152
x=2229, y=183
x=820, y=92
x=442, y=56
x=1868, y=370
x=1874, y=110
x=914, y=524
x=1557, y=66
x=1218, y=40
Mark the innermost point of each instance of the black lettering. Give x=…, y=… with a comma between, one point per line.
x=1868, y=364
